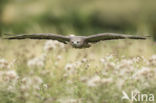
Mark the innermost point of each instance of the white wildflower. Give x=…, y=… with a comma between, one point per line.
x=24, y=88
x=26, y=81
x=11, y=88
x=77, y=64
x=49, y=45
x=104, y=73
x=37, y=80
x=59, y=57
x=153, y=57
x=124, y=64
x=106, y=80
x=37, y=62
x=4, y=64
x=143, y=73
x=92, y=82
x=70, y=69
x=52, y=44
x=58, y=44
x=69, y=100
x=152, y=60
x=102, y=60
x=84, y=60
x=61, y=45
x=31, y=82
x=136, y=59
x=11, y=75
x=83, y=79
x=110, y=65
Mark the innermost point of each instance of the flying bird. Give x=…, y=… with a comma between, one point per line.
x=77, y=41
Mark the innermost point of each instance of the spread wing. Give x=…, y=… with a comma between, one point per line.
x=111, y=36
x=49, y=36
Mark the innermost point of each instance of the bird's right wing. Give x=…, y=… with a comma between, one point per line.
x=111, y=36
x=49, y=36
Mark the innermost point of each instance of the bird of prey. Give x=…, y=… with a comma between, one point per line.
x=77, y=41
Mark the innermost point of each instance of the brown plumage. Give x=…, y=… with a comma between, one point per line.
x=78, y=41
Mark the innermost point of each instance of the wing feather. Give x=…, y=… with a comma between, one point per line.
x=49, y=36
x=111, y=36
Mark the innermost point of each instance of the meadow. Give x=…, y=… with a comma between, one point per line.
x=51, y=72
x=44, y=71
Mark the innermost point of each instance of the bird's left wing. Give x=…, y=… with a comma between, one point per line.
x=49, y=36
x=110, y=36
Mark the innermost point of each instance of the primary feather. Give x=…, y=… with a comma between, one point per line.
x=41, y=36
x=111, y=36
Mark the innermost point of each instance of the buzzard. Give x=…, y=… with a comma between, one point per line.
x=77, y=41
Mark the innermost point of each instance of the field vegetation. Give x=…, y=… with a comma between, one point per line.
x=45, y=71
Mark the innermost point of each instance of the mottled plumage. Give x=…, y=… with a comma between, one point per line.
x=77, y=41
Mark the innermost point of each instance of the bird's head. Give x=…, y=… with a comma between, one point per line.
x=77, y=42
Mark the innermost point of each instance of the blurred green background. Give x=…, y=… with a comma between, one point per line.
x=80, y=17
